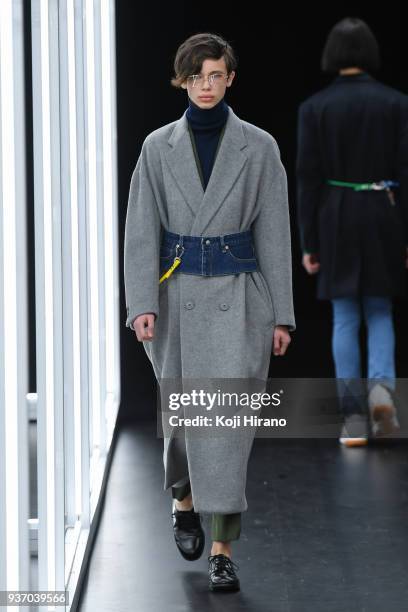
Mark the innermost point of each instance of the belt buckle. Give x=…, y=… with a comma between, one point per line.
x=378, y=186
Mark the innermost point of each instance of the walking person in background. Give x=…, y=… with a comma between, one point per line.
x=352, y=204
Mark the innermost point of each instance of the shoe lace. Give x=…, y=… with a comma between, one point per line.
x=188, y=520
x=221, y=561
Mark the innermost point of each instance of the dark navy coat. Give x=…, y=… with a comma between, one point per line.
x=355, y=129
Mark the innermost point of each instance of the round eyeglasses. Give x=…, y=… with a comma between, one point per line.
x=214, y=79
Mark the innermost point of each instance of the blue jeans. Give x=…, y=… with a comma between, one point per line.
x=347, y=315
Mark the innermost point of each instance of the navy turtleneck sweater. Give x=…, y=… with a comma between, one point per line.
x=207, y=124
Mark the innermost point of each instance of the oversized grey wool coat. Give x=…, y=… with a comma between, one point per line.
x=214, y=326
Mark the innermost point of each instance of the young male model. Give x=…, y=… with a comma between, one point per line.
x=211, y=189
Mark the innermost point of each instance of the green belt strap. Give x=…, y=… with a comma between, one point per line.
x=356, y=186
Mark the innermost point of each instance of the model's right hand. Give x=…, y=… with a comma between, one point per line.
x=311, y=263
x=144, y=326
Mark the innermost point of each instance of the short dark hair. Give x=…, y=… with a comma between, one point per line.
x=351, y=42
x=192, y=52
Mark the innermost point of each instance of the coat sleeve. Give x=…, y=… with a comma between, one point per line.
x=271, y=232
x=142, y=243
x=309, y=178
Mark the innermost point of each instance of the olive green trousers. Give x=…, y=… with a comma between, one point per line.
x=224, y=527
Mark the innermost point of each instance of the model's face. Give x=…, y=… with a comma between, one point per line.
x=201, y=92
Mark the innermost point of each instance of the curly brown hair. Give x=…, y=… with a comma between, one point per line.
x=192, y=52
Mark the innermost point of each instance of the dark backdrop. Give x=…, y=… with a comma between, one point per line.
x=278, y=67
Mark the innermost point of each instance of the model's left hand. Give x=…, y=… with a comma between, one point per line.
x=281, y=340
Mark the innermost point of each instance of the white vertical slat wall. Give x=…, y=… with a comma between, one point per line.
x=76, y=285
x=48, y=294
x=14, y=484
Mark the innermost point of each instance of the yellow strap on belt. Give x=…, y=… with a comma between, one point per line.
x=177, y=261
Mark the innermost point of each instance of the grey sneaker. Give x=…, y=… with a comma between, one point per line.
x=355, y=430
x=383, y=414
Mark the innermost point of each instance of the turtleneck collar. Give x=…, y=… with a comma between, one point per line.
x=207, y=118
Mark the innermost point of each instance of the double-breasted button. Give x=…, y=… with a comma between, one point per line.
x=224, y=306
x=189, y=305
x=208, y=242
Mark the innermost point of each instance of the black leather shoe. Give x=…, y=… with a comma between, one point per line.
x=188, y=533
x=222, y=574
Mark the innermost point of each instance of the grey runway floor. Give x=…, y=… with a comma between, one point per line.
x=326, y=530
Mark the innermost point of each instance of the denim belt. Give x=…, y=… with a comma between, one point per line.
x=208, y=255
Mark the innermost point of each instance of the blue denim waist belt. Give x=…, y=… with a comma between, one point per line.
x=208, y=255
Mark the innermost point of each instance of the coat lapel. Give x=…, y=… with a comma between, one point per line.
x=227, y=167
x=180, y=158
